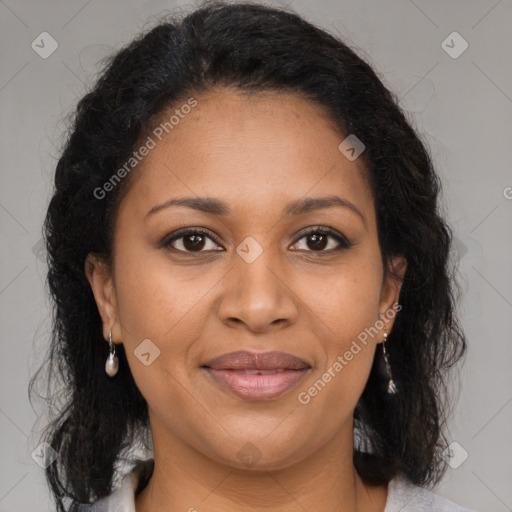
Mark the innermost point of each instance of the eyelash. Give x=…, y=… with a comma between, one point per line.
x=344, y=243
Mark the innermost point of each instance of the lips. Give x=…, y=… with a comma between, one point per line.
x=269, y=361
x=256, y=376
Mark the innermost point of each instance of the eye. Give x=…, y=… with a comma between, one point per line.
x=317, y=240
x=191, y=240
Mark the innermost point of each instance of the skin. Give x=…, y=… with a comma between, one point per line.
x=256, y=153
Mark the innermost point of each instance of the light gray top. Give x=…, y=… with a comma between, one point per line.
x=403, y=496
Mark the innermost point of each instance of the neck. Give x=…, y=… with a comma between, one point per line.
x=184, y=479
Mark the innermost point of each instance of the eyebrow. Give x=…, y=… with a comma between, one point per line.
x=218, y=207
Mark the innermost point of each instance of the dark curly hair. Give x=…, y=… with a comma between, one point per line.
x=250, y=48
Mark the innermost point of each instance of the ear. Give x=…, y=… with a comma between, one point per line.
x=390, y=293
x=100, y=278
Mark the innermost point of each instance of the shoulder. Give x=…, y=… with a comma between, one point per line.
x=404, y=496
x=122, y=498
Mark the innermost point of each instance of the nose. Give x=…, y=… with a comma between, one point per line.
x=258, y=296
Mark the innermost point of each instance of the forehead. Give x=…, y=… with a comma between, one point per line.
x=260, y=150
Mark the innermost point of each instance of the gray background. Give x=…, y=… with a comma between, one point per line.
x=463, y=106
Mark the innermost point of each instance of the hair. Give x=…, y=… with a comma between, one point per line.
x=249, y=48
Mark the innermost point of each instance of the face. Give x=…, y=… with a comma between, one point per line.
x=258, y=270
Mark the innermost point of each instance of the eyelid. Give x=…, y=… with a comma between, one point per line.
x=167, y=240
x=322, y=229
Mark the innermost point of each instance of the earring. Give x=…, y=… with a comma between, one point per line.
x=391, y=385
x=112, y=364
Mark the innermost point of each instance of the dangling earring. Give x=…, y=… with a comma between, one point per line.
x=391, y=385
x=112, y=364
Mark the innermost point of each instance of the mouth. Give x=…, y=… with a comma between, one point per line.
x=257, y=376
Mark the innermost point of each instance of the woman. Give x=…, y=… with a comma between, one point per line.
x=249, y=269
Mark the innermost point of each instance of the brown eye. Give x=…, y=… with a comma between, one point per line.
x=192, y=240
x=322, y=240
x=317, y=241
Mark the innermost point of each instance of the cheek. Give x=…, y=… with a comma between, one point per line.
x=347, y=300
x=345, y=307
x=160, y=317
x=155, y=298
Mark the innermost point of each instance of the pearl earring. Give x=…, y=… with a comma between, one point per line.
x=391, y=385
x=112, y=364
